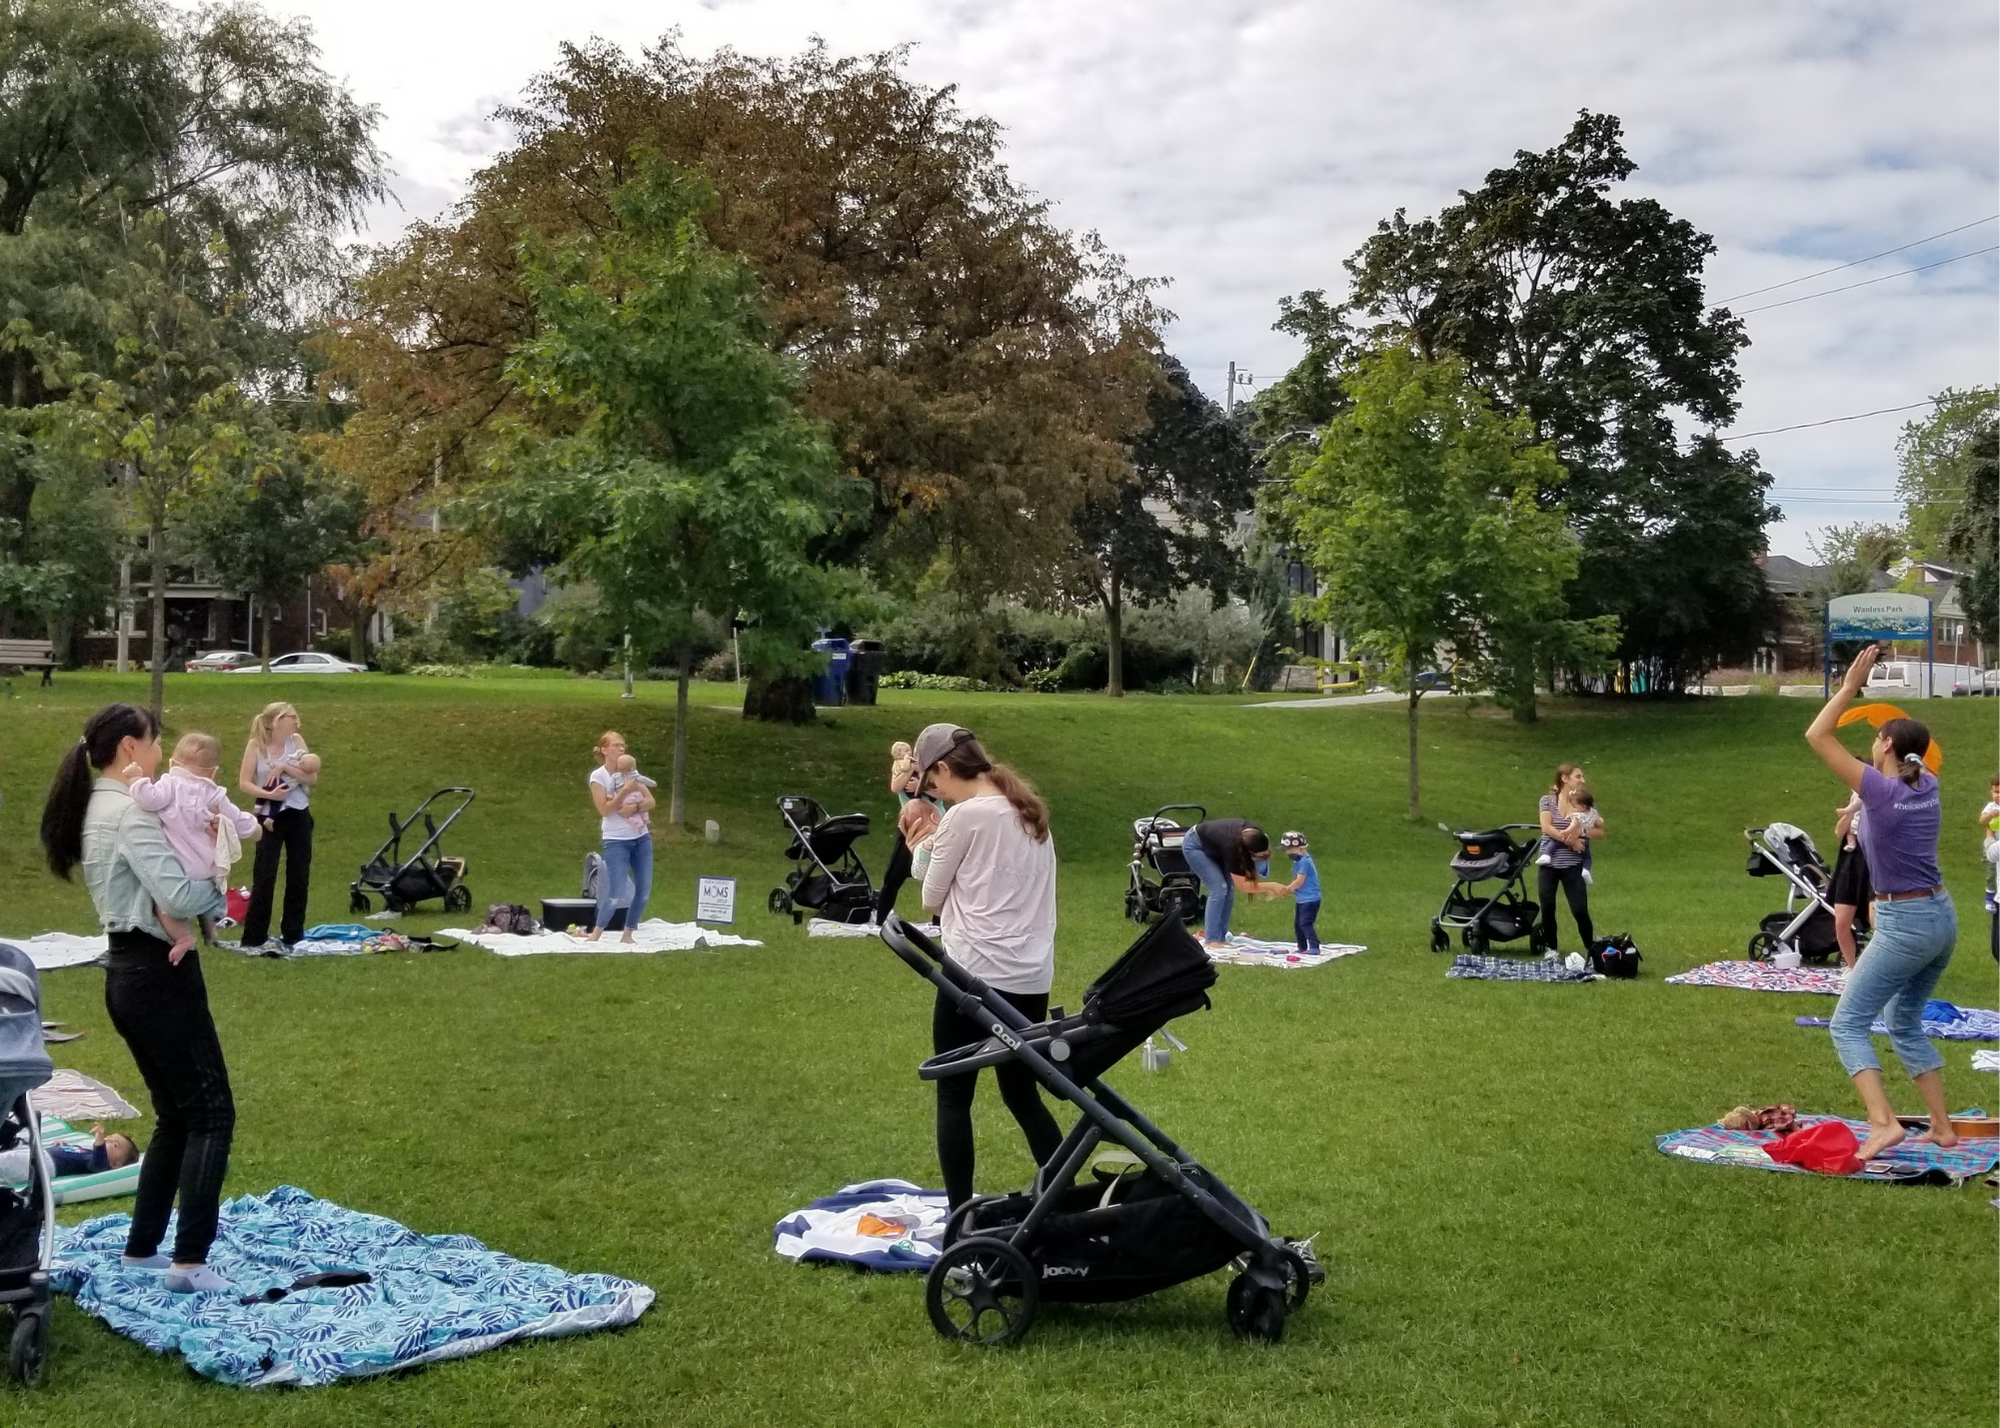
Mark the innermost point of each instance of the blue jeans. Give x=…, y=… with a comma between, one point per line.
x=628, y=863
x=1305, y=917
x=1221, y=889
x=1893, y=979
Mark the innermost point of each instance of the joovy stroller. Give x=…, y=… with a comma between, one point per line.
x=1505, y=915
x=1161, y=881
x=402, y=882
x=827, y=875
x=1785, y=850
x=27, y=1217
x=1132, y=1228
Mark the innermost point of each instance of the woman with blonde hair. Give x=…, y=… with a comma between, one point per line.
x=1567, y=826
x=622, y=806
x=279, y=772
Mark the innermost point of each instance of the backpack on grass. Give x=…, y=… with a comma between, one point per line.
x=1614, y=956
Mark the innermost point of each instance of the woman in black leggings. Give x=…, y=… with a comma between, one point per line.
x=157, y=1001
x=1564, y=860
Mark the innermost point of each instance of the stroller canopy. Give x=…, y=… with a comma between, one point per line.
x=1163, y=975
x=24, y=1059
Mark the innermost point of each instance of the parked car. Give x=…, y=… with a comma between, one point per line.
x=304, y=662
x=220, y=661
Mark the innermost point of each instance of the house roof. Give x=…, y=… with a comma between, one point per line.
x=1787, y=576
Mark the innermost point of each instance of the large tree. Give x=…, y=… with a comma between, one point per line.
x=1423, y=517
x=976, y=365
x=1585, y=314
x=1173, y=525
x=1972, y=538
x=667, y=463
x=1934, y=460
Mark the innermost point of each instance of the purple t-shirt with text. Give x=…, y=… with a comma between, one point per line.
x=1899, y=831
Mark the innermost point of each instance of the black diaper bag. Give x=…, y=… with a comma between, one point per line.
x=1614, y=956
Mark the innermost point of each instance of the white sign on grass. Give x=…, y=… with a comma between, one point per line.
x=715, y=900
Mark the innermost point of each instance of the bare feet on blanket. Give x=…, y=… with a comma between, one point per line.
x=590, y=936
x=1943, y=1138
x=1880, y=1138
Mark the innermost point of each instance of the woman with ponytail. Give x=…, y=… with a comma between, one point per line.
x=157, y=1002
x=1916, y=926
x=988, y=867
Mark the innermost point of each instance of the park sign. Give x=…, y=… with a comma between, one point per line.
x=1878, y=615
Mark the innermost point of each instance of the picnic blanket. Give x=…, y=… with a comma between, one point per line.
x=1763, y=977
x=1513, y=969
x=344, y=944
x=826, y=927
x=883, y=1225
x=432, y=1297
x=1285, y=956
x=653, y=935
x=51, y=950
x=1986, y=1060
x=1942, y=1020
x=73, y=1096
x=1914, y=1162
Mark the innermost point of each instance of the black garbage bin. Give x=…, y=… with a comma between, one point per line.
x=864, y=670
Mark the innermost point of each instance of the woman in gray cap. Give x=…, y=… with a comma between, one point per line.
x=988, y=867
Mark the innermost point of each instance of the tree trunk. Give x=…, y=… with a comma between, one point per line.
x=1114, y=641
x=677, y=804
x=1415, y=695
x=159, y=615
x=784, y=700
x=265, y=646
x=357, y=636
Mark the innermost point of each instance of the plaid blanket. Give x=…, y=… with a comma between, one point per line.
x=1763, y=977
x=1941, y=1020
x=1913, y=1162
x=1510, y=969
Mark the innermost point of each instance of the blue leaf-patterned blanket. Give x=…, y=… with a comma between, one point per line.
x=432, y=1297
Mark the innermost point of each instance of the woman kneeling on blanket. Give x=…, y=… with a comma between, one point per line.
x=158, y=1005
x=988, y=868
x=1916, y=925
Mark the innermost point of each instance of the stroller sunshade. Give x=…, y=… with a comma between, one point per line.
x=1166, y=970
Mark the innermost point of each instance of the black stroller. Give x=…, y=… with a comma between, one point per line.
x=1505, y=915
x=1787, y=851
x=827, y=876
x=402, y=882
x=1162, y=883
x=27, y=1217
x=1133, y=1228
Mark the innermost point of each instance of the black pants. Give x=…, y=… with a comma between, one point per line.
x=1578, y=892
x=893, y=879
x=290, y=833
x=1018, y=1088
x=162, y=1012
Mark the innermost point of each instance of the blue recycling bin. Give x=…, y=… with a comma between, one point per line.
x=830, y=686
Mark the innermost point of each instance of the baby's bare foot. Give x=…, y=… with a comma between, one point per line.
x=1880, y=1138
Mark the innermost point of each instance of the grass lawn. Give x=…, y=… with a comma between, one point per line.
x=1504, y=1244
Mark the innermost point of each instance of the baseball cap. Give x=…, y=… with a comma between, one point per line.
x=935, y=742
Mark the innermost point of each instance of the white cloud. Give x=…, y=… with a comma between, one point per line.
x=1243, y=149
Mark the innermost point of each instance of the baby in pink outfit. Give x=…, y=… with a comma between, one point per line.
x=193, y=807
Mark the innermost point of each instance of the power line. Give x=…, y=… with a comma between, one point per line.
x=1829, y=421
x=1843, y=267
x=1865, y=282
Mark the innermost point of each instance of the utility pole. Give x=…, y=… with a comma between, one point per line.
x=1236, y=379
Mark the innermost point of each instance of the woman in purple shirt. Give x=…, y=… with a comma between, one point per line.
x=1916, y=926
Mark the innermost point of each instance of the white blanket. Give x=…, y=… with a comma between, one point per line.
x=1263, y=952
x=653, y=935
x=59, y=949
x=1986, y=1060
x=821, y=927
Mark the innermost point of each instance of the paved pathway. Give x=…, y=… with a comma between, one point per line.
x=1341, y=701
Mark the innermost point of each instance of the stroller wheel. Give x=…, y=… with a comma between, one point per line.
x=357, y=902
x=1762, y=946
x=982, y=1291
x=29, y=1355
x=1440, y=939
x=1254, y=1311
x=780, y=901
x=458, y=899
x=1135, y=906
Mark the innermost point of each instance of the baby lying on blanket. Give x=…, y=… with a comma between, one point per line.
x=107, y=1152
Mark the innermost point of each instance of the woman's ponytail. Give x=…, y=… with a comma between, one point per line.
x=1909, y=740
x=69, y=791
x=967, y=760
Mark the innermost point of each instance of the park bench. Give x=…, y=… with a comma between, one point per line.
x=30, y=654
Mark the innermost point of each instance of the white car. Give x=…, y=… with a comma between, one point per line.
x=306, y=662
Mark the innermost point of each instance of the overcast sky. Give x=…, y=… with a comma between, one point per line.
x=1242, y=149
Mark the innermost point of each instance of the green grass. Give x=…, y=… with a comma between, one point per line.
x=1504, y=1244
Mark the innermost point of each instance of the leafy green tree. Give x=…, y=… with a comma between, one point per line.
x=1173, y=525
x=1973, y=537
x=671, y=469
x=1423, y=517
x=266, y=518
x=1586, y=314
x=1934, y=459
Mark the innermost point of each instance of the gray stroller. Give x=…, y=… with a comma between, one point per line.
x=27, y=1218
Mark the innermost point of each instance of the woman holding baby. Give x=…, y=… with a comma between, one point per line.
x=279, y=772
x=623, y=797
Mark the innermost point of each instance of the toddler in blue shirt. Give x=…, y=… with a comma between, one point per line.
x=1305, y=889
